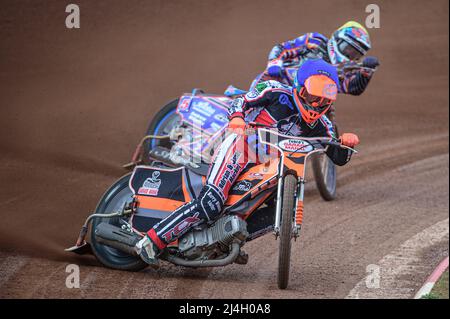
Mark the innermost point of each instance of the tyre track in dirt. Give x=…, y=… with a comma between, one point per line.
x=75, y=103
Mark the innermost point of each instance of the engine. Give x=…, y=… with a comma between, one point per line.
x=215, y=240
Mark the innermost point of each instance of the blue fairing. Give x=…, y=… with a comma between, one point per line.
x=206, y=113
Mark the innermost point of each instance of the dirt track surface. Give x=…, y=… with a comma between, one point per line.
x=74, y=103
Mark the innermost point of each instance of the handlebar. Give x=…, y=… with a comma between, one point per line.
x=337, y=144
x=333, y=142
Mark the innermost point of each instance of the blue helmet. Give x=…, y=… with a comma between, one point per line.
x=315, y=88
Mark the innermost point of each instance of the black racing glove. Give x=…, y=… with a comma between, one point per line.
x=358, y=84
x=370, y=62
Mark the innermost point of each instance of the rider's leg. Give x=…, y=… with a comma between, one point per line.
x=228, y=163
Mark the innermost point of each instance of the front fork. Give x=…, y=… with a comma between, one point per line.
x=298, y=209
x=276, y=229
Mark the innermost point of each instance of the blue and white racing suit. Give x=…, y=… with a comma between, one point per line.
x=311, y=46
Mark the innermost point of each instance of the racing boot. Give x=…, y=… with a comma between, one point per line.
x=147, y=250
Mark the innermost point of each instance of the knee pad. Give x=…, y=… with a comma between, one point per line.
x=210, y=202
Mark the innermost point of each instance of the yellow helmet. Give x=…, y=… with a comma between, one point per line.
x=349, y=42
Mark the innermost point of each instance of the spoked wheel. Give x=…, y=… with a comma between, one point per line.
x=162, y=123
x=287, y=217
x=114, y=200
x=325, y=175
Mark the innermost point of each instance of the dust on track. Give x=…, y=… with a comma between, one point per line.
x=75, y=103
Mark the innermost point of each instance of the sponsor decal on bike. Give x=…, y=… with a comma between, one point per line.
x=197, y=119
x=242, y=186
x=203, y=107
x=296, y=145
x=221, y=117
x=183, y=106
x=151, y=185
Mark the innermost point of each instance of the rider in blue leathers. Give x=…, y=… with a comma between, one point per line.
x=345, y=47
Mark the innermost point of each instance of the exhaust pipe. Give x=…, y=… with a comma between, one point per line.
x=234, y=253
x=116, y=237
x=125, y=241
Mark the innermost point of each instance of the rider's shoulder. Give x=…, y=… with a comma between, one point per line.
x=277, y=85
x=318, y=35
x=273, y=86
x=305, y=38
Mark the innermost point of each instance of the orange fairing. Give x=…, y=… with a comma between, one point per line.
x=161, y=204
x=263, y=172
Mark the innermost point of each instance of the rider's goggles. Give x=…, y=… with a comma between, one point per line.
x=316, y=103
x=349, y=50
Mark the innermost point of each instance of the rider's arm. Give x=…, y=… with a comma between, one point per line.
x=292, y=49
x=355, y=82
x=340, y=156
x=275, y=63
x=261, y=96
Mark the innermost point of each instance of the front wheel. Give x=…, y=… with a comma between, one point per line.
x=287, y=217
x=115, y=198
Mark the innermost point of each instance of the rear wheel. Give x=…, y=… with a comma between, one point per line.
x=115, y=198
x=325, y=175
x=324, y=169
x=287, y=217
x=161, y=124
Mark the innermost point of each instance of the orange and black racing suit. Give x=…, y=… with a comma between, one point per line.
x=270, y=103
